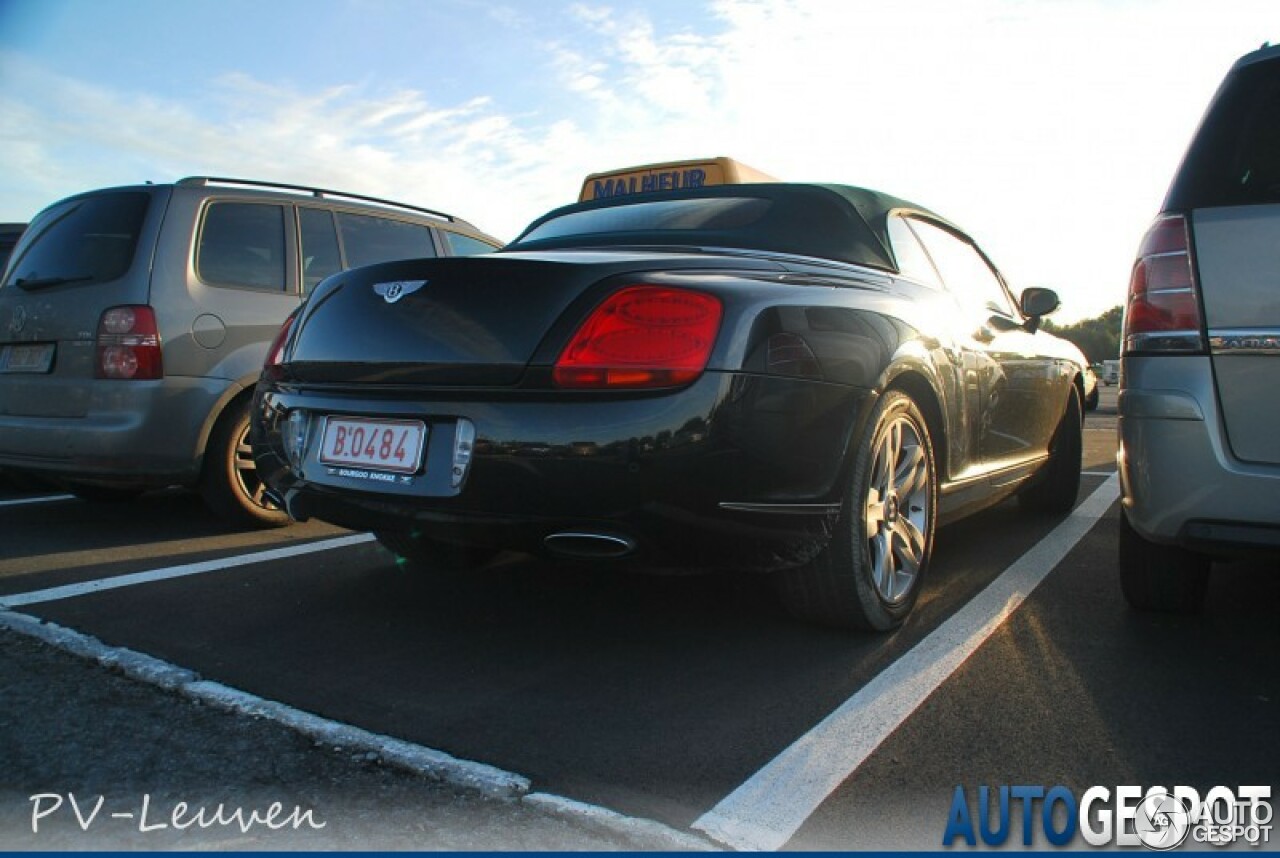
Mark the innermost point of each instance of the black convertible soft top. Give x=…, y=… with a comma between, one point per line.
x=837, y=222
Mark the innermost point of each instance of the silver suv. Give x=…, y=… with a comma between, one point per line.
x=1200, y=387
x=134, y=322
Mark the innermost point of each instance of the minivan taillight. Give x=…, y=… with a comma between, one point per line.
x=642, y=337
x=128, y=344
x=1163, y=311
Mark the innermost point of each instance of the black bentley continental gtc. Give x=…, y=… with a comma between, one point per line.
x=802, y=380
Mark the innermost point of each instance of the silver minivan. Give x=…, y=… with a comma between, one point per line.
x=1200, y=383
x=134, y=322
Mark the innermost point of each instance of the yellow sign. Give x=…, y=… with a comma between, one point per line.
x=669, y=176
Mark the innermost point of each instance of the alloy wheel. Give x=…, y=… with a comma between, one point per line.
x=246, y=473
x=896, y=512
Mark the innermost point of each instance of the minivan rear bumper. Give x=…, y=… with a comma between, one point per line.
x=140, y=433
x=1180, y=482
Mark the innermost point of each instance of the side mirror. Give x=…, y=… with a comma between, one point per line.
x=1036, y=303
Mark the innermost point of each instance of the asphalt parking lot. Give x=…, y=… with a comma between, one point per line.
x=692, y=702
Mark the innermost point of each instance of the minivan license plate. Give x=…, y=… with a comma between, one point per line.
x=368, y=442
x=26, y=358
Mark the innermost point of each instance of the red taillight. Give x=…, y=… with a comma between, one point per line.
x=128, y=344
x=1163, y=313
x=642, y=336
x=275, y=354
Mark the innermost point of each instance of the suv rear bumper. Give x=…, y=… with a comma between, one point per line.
x=1180, y=482
x=145, y=434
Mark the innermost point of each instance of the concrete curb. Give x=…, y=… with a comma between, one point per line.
x=436, y=765
x=396, y=753
x=608, y=821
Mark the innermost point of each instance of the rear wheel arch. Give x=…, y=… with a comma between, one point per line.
x=918, y=386
x=239, y=389
x=869, y=575
x=227, y=477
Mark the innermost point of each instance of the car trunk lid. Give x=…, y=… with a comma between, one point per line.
x=1238, y=255
x=475, y=321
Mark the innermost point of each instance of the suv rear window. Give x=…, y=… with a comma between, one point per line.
x=1235, y=158
x=85, y=240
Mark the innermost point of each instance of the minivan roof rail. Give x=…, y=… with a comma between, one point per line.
x=317, y=192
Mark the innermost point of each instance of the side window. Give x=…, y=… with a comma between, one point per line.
x=465, y=245
x=913, y=262
x=320, y=256
x=368, y=239
x=242, y=244
x=964, y=270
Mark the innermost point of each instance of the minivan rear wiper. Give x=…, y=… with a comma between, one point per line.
x=30, y=283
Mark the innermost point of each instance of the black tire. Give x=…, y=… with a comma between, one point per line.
x=1055, y=489
x=869, y=576
x=1160, y=578
x=103, y=494
x=229, y=480
x=1091, y=401
x=432, y=555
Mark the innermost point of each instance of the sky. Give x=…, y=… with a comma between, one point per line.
x=1047, y=129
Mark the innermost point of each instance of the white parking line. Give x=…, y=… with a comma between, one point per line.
x=42, y=499
x=69, y=591
x=766, y=811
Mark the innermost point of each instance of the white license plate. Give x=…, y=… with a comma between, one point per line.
x=368, y=442
x=26, y=358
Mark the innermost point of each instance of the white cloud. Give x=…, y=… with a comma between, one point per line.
x=464, y=157
x=1049, y=129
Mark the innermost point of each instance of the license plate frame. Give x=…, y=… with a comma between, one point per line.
x=34, y=358
x=362, y=442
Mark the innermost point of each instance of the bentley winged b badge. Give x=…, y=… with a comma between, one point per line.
x=397, y=289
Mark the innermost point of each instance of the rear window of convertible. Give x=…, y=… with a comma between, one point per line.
x=819, y=221
x=665, y=216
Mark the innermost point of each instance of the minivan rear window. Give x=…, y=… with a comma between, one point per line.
x=465, y=245
x=1235, y=157
x=89, y=239
x=368, y=239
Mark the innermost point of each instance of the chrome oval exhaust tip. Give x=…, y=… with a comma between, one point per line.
x=590, y=546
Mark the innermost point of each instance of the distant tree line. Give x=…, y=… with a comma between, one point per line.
x=1098, y=338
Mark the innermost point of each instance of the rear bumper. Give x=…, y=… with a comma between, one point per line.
x=1180, y=482
x=735, y=471
x=132, y=433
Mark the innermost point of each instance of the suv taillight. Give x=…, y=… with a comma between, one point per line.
x=1163, y=312
x=128, y=344
x=642, y=337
